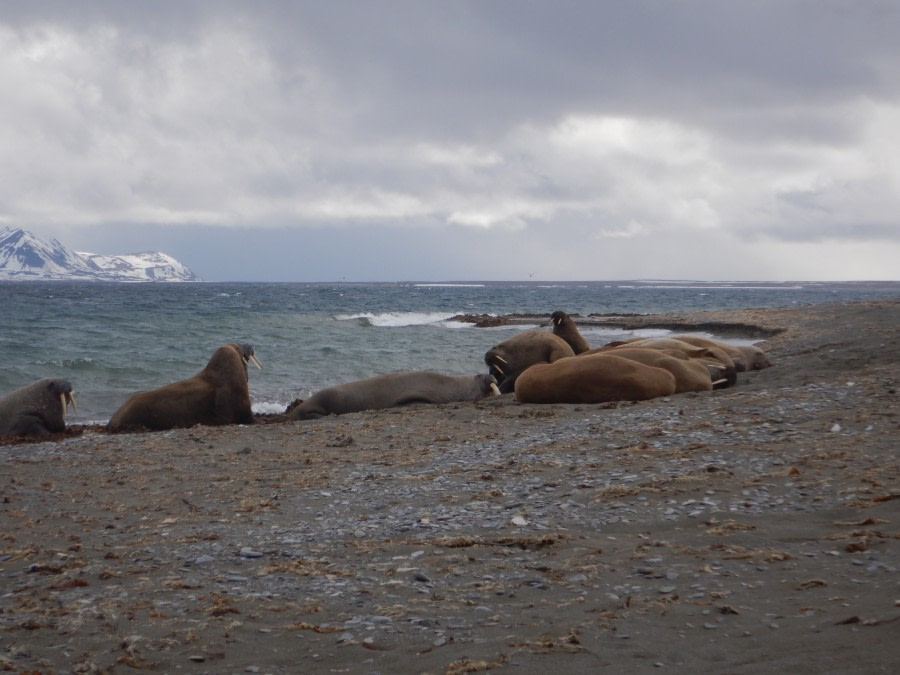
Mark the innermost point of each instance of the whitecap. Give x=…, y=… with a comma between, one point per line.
x=268, y=408
x=395, y=319
x=449, y=285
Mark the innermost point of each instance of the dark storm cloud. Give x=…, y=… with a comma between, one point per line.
x=595, y=130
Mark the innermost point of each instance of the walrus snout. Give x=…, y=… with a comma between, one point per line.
x=491, y=382
x=249, y=354
x=65, y=400
x=63, y=389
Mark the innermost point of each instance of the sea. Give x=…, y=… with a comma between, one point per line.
x=111, y=340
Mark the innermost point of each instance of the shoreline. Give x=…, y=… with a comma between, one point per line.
x=748, y=529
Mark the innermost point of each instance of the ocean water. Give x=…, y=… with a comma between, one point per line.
x=111, y=340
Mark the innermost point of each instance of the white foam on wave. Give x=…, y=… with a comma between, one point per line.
x=448, y=285
x=268, y=408
x=396, y=319
x=720, y=287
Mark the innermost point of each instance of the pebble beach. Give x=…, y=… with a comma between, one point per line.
x=745, y=530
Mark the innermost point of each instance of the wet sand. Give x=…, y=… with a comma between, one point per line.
x=746, y=530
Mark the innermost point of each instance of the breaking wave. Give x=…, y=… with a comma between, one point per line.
x=395, y=319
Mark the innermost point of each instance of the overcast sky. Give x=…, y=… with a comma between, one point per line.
x=455, y=140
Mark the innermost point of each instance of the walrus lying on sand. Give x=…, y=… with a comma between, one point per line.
x=706, y=355
x=593, y=378
x=216, y=395
x=392, y=390
x=37, y=409
x=745, y=357
x=511, y=357
x=690, y=374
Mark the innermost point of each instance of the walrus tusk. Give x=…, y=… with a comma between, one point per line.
x=255, y=361
x=495, y=389
x=719, y=382
x=498, y=369
x=500, y=358
x=65, y=400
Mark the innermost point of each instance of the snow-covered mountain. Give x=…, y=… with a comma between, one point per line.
x=141, y=267
x=25, y=256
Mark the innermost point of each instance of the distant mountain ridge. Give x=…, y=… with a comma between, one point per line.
x=26, y=257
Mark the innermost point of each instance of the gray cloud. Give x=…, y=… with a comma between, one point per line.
x=459, y=140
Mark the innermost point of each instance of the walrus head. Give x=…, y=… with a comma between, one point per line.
x=63, y=390
x=492, y=384
x=558, y=317
x=248, y=354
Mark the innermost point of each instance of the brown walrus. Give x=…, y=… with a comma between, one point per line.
x=37, y=409
x=561, y=324
x=690, y=375
x=745, y=357
x=708, y=355
x=216, y=395
x=593, y=378
x=392, y=390
x=511, y=357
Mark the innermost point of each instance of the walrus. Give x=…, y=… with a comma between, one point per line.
x=708, y=355
x=595, y=378
x=736, y=355
x=393, y=390
x=561, y=324
x=37, y=409
x=216, y=395
x=755, y=357
x=690, y=375
x=507, y=360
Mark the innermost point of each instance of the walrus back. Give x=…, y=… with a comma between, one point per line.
x=596, y=378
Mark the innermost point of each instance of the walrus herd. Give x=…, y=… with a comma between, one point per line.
x=538, y=366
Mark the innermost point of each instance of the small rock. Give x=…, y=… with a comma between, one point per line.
x=250, y=553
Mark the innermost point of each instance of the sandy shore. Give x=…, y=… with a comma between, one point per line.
x=753, y=529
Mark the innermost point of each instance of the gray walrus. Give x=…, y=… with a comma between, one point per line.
x=216, y=395
x=37, y=409
x=561, y=324
x=593, y=378
x=392, y=390
x=507, y=360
